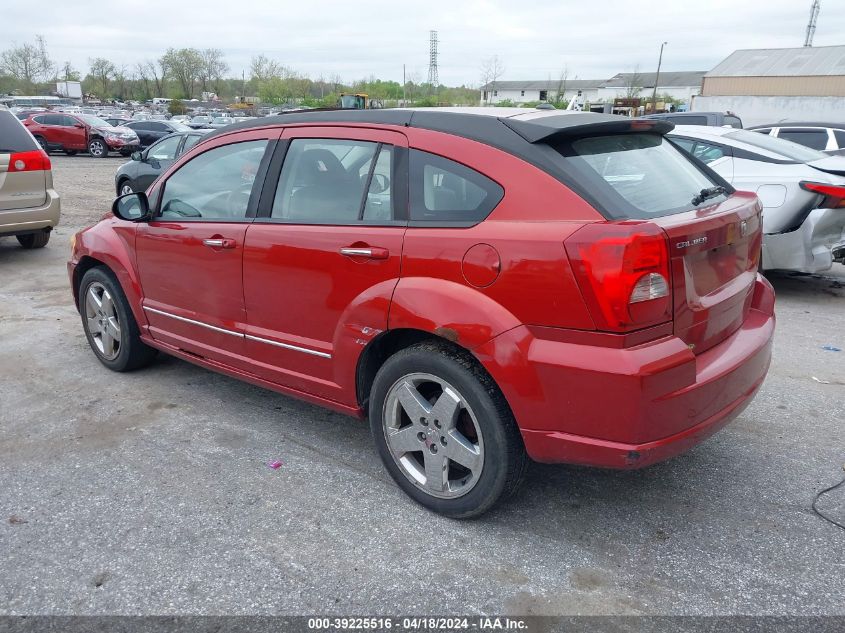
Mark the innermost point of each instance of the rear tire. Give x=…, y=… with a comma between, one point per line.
x=34, y=240
x=458, y=419
x=97, y=148
x=109, y=324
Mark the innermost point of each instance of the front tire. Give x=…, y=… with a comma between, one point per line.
x=34, y=240
x=444, y=431
x=124, y=188
x=109, y=324
x=43, y=143
x=97, y=148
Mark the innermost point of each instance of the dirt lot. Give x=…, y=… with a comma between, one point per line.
x=150, y=492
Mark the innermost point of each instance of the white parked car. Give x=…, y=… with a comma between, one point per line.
x=825, y=137
x=802, y=191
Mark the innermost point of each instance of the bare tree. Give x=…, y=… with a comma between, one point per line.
x=633, y=84
x=213, y=68
x=491, y=70
x=262, y=68
x=561, y=85
x=29, y=63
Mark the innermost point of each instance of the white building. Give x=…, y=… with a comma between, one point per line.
x=678, y=85
x=543, y=90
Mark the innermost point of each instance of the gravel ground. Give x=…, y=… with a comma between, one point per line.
x=149, y=493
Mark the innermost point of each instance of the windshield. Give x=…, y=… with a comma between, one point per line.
x=787, y=149
x=93, y=120
x=636, y=175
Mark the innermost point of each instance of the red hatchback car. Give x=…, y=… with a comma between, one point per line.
x=484, y=285
x=72, y=133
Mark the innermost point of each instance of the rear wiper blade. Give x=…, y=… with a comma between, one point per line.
x=706, y=194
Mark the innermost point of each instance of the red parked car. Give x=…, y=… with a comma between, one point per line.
x=568, y=287
x=72, y=133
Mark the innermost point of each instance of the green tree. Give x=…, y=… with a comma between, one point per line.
x=184, y=65
x=176, y=107
x=102, y=71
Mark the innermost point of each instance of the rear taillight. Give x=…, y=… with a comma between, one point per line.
x=622, y=269
x=36, y=160
x=834, y=195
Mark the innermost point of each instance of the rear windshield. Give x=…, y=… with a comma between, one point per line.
x=787, y=149
x=637, y=176
x=14, y=137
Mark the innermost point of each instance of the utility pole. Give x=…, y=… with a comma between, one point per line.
x=811, y=25
x=657, y=79
x=404, y=96
x=243, y=86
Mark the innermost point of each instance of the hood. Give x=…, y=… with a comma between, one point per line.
x=117, y=129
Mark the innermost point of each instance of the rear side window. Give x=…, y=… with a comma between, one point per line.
x=333, y=181
x=14, y=137
x=444, y=192
x=840, y=138
x=636, y=175
x=817, y=139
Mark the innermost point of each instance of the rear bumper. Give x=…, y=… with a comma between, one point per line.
x=20, y=221
x=632, y=407
x=808, y=249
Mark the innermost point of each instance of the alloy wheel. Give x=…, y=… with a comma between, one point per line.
x=97, y=148
x=125, y=188
x=102, y=320
x=433, y=435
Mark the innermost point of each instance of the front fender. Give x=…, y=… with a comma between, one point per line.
x=112, y=242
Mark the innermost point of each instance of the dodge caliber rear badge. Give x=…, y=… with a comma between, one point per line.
x=695, y=242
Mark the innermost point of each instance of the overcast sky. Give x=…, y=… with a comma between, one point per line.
x=359, y=38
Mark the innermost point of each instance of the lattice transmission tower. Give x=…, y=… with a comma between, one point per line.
x=811, y=25
x=433, y=79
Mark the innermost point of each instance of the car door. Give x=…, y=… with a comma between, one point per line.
x=74, y=133
x=157, y=159
x=190, y=256
x=325, y=248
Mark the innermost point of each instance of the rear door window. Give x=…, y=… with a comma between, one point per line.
x=14, y=137
x=636, y=175
x=808, y=137
x=334, y=181
x=447, y=193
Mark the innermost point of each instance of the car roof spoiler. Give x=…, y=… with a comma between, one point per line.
x=549, y=128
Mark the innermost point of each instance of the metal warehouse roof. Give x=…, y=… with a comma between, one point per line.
x=546, y=84
x=782, y=62
x=646, y=80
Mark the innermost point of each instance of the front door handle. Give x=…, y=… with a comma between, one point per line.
x=369, y=252
x=219, y=242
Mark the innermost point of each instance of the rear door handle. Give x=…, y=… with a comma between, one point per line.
x=219, y=242
x=370, y=252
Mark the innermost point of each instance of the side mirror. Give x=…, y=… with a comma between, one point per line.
x=132, y=207
x=137, y=156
